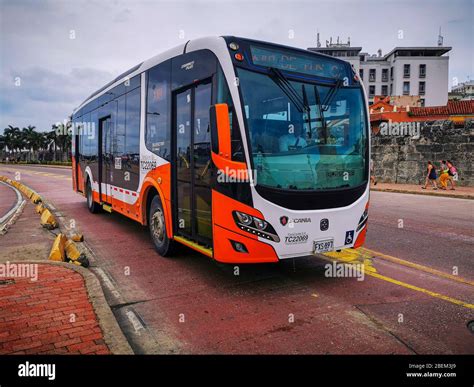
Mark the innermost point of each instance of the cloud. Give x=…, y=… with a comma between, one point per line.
x=65, y=50
x=40, y=97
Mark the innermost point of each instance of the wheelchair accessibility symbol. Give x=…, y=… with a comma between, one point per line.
x=349, y=237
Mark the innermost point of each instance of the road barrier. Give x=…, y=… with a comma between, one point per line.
x=40, y=208
x=63, y=249
x=78, y=238
x=58, y=252
x=48, y=220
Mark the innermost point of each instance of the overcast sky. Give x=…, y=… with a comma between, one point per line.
x=53, y=54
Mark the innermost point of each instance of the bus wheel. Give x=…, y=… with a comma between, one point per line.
x=91, y=205
x=163, y=245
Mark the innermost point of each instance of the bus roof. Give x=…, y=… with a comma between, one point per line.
x=182, y=49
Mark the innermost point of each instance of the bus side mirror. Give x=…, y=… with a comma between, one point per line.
x=221, y=143
x=220, y=130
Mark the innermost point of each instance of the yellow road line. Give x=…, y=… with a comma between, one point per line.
x=348, y=258
x=48, y=174
x=416, y=288
x=417, y=266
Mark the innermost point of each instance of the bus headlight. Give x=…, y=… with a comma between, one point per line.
x=260, y=224
x=244, y=219
x=255, y=226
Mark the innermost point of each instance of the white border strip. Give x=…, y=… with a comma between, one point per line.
x=19, y=200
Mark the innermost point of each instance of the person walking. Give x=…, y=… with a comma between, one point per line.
x=444, y=175
x=373, y=179
x=430, y=176
x=453, y=174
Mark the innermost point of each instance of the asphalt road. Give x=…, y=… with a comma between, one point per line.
x=416, y=297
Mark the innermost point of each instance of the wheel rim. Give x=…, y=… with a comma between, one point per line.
x=158, y=226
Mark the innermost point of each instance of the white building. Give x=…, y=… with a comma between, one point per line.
x=409, y=71
x=463, y=91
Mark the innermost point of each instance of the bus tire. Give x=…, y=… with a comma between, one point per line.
x=91, y=204
x=157, y=226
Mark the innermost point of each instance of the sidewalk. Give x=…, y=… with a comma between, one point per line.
x=51, y=315
x=63, y=311
x=460, y=192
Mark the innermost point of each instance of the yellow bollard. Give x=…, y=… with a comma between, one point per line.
x=39, y=208
x=72, y=252
x=77, y=237
x=48, y=220
x=35, y=198
x=57, y=251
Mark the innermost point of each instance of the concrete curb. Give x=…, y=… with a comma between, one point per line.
x=425, y=192
x=9, y=218
x=113, y=335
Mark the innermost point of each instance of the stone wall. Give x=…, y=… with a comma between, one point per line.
x=402, y=159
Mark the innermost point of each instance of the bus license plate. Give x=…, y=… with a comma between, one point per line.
x=323, y=246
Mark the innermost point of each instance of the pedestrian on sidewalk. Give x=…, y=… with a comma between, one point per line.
x=453, y=174
x=443, y=175
x=373, y=179
x=430, y=176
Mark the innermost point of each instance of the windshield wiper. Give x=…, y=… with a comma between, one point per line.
x=321, y=113
x=306, y=103
x=283, y=83
x=330, y=96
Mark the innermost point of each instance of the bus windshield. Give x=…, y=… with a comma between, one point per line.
x=304, y=136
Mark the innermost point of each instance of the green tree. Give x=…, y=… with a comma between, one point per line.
x=13, y=139
x=29, y=137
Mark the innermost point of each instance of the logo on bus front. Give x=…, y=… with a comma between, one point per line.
x=188, y=66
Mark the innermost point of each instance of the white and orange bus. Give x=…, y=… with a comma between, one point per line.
x=244, y=150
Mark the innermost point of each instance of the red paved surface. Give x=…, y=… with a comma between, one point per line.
x=249, y=313
x=7, y=199
x=52, y=315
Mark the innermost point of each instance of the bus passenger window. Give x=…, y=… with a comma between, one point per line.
x=158, y=131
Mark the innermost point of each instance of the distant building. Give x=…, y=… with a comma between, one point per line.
x=404, y=71
x=462, y=91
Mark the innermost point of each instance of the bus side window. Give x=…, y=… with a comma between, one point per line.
x=223, y=96
x=118, y=145
x=93, y=136
x=86, y=124
x=131, y=157
x=158, y=126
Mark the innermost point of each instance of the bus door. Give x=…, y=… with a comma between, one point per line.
x=192, y=156
x=105, y=159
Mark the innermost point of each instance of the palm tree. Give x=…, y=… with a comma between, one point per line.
x=2, y=145
x=36, y=142
x=62, y=139
x=29, y=138
x=53, y=139
x=13, y=140
x=43, y=144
